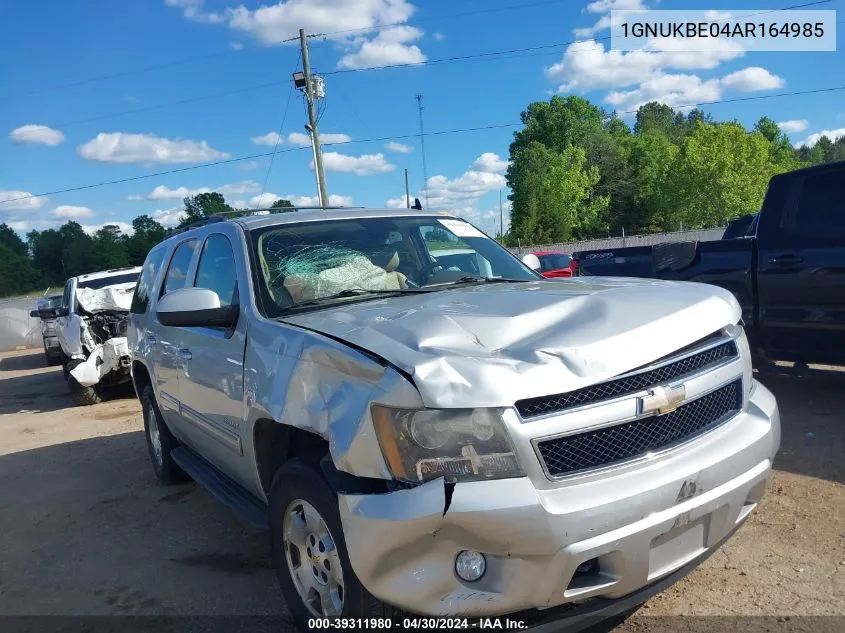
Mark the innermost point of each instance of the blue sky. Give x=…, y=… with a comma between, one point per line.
x=57, y=136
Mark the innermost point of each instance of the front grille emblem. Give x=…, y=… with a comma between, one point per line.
x=662, y=400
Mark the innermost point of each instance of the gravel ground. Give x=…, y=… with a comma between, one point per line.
x=86, y=530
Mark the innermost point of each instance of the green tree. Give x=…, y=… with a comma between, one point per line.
x=11, y=240
x=553, y=195
x=652, y=160
x=722, y=172
x=146, y=233
x=282, y=206
x=17, y=274
x=203, y=205
x=558, y=123
x=655, y=117
x=111, y=248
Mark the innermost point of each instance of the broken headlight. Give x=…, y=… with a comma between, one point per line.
x=458, y=444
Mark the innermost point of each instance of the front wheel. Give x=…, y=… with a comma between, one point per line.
x=80, y=395
x=309, y=551
x=160, y=442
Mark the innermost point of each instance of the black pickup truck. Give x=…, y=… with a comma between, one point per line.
x=787, y=268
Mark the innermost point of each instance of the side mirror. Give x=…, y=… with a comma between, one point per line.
x=45, y=313
x=532, y=261
x=195, y=307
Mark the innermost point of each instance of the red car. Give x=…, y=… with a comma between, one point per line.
x=556, y=264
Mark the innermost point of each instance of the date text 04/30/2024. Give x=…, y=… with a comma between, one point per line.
x=431, y=624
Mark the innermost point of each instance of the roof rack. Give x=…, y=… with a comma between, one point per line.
x=220, y=216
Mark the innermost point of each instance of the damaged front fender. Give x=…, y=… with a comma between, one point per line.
x=111, y=356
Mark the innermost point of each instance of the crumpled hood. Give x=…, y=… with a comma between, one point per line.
x=493, y=344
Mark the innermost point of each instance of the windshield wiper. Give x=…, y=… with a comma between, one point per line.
x=355, y=292
x=478, y=279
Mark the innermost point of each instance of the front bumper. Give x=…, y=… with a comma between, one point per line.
x=640, y=525
x=52, y=345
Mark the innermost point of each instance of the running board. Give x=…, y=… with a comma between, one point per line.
x=227, y=491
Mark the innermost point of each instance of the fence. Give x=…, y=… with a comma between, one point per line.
x=705, y=235
x=18, y=329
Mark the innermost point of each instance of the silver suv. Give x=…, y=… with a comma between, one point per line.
x=424, y=440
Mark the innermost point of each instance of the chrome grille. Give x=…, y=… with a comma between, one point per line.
x=627, y=385
x=629, y=440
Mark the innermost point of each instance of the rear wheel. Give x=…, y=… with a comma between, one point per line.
x=80, y=395
x=309, y=550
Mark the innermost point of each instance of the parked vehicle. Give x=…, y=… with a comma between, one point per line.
x=91, y=328
x=552, y=265
x=46, y=312
x=436, y=442
x=787, y=272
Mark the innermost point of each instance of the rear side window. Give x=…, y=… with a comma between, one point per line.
x=177, y=272
x=144, y=289
x=216, y=269
x=821, y=208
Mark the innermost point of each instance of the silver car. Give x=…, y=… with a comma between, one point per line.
x=423, y=440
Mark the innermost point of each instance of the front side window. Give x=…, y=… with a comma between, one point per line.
x=554, y=261
x=316, y=260
x=821, y=208
x=177, y=272
x=144, y=289
x=216, y=269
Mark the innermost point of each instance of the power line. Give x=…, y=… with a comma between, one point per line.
x=281, y=127
x=391, y=138
x=188, y=60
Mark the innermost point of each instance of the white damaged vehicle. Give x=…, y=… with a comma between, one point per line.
x=91, y=329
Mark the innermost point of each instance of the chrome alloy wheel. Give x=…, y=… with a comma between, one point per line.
x=313, y=560
x=155, y=435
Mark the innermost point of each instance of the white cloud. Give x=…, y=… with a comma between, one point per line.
x=124, y=148
x=9, y=200
x=463, y=191
x=752, y=79
x=399, y=148
x=40, y=134
x=125, y=228
x=304, y=140
x=135, y=196
x=811, y=140
x=249, y=165
x=168, y=217
x=673, y=90
x=588, y=66
x=163, y=192
x=390, y=46
x=131, y=99
x=271, y=138
x=605, y=6
x=276, y=22
x=490, y=162
x=715, y=16
x=236, y=46
x=71, y=211
x=794, y=125
x=397, y=203
x=438, y=37
x=19, y=225
x=266, y=199
x=193, y=10
x=364, y=165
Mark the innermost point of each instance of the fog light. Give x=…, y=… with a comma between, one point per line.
x=470, y=565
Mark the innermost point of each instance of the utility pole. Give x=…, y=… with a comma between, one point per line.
x=312, y=119
x=501, y=219
x=422, y=147
x=407, y=191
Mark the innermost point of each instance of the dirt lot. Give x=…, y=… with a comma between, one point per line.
x=86, y=530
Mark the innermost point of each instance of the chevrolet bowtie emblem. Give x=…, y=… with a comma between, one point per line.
x=662, y=400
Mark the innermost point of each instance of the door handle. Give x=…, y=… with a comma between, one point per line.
x=786, y=260
x=151, y=339
x=185, y=353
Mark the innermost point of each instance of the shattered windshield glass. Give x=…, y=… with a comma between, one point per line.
x=326, y=260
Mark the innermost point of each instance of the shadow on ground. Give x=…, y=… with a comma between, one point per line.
x=88, y=530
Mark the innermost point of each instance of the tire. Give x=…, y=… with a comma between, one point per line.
x=81, y=396
x=295, y=484
x=160, y=442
